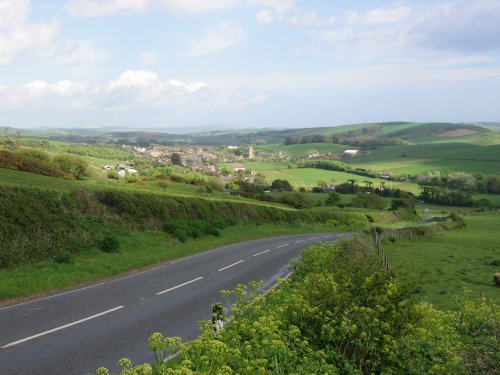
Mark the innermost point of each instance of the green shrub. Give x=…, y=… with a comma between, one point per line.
x=64, y=257
x=365, y=200
x=109, y=245
x=296, y=200
x=340, y=313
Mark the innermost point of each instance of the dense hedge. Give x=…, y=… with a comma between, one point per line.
x=335, y=165
x=38, y=224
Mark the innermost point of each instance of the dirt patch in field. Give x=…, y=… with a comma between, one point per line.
x=457, y=133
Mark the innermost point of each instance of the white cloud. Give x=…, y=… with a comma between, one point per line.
x=148, y=57
x=301, y=17
x=129, y=91
x=95, y=8
x=189, y=87
x=77, y=52
x=388, y=15
x=137, y=80
x=17, y=35
x=461, y=26
x=409, y=31
x=62, y=88
x=13, y=13
x=225, y=35
x=279, y=6
x=259, y=98
x=465, y=60
x=265, y=16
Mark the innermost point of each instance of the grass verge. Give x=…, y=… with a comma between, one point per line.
x=137, y=250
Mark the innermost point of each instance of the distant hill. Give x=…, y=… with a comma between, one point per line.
x=356, y=134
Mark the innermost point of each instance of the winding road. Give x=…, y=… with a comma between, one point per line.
x=78, y=331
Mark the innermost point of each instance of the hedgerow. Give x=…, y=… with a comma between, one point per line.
x=38, y=225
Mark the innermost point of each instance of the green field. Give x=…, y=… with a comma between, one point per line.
x=440, y=266
x=419, y=159
x=309, y=177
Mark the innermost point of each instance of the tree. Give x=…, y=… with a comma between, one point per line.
x=322, y=184
x=281, y=185
x=73, y=165
x=175, y=159
x=296, y=200
x=333, y=199
x=366, y=200
x=113, y=175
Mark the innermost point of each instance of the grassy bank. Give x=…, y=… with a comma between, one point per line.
x=137, y=250
x=443, y=265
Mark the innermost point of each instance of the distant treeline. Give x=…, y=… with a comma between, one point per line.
x=363, y=137
x=335, y=165
x=99, y=151
x=456, y=188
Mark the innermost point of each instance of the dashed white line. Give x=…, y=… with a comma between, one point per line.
x=262, y=252
x=231, y=265
x=328, y=235
x=180, y=285
x=282, y=245
x=299, y=241
x=61, y=327
x=314, y=238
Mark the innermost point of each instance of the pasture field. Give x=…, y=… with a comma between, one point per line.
x=418, y=159
x=310, y=176
x=440, y=266
x=301, y=149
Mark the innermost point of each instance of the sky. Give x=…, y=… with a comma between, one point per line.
x=227, y=64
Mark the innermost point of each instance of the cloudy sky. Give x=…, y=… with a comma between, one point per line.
x=199, y=64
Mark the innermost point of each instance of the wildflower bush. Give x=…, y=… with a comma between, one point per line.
x=339, y=314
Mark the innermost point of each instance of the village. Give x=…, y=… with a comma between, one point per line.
x=225, y=163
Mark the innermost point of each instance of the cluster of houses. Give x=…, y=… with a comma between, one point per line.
x=121, y=168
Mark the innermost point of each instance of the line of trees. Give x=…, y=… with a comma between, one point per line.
x=362, y=137
x=335, y=165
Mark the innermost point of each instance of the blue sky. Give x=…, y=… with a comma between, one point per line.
x=203, y=64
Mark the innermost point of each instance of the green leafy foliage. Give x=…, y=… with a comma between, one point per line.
x=29, y=162
x=75, y=166
x=109, y=245
x=333, y=199
x=281, y=185
x=339, y=314
x=367, y=200
x=296, y=199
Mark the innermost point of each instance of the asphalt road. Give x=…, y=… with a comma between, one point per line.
x=78, y=331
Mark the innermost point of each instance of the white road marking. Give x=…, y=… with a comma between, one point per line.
x=328, y=235
x=62, y=327
x=299, y=241
x=314, y=238
x=231, y=265
x=180, y=285
x=262, y=252
x=282, y=245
